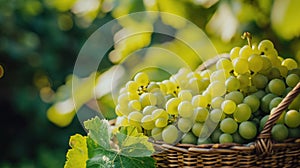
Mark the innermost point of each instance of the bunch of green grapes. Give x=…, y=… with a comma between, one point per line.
x=229, y=104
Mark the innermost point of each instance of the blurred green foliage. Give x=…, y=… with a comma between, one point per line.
x=40, y=40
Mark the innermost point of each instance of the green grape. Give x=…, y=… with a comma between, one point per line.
x=225, y=138
x=295, y=103
x=132, y=86
x=253, y=102
x=237, y=138
x=247, y=130
x=290, y=63
x=172, y=106
x=147, y=122
x=234, y=52
x=153, y=87
x=219, y=75
x=232, y=84
x=200, y=114
x=200, y=130
x=122, y=121
x=255, y=63
x=141, y=79
x=189, y=138
x=228, y=106
x=263, y=122
x=274, y=102
x=235, y=96
x=134, y=118
x=200, y=101
x=283, y=70
x=277, y=87
x=193, y=85
x=204, y=141
x=184, y=125
x=279, y=132
x=160, y=99
x=273, y=73
x=259, y=94
x=161, y=122
x=206, y=73
x=292, y=119
x=203, y=84
x=216, y=102
x=163, y=87
x=171, y=87
x=122, y=110
x=215, y=135
x=265, y=102
x=134, y=105
x=224, y=63
x=265, y=46
x=245, y=52
x=244, y=80
x=243, y=113
x=216, y=115
x=292, y=80
x=156, y=134
x=185, y=95
x=170, y=134
x=260, y=81
x=148, y=110
x=123, y=100
x=228, y=125
x=133, y=95
x=240, y=65
x=159, y=113
x=266, y=63
x=217, y=88
x=185, y=109
x=294, y=132
x=148, y=99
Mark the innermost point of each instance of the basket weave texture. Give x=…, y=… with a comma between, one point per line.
x=263, y=152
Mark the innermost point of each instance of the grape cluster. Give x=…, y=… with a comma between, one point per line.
x=229, y=102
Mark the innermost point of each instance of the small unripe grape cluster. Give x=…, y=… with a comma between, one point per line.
x=228, y=104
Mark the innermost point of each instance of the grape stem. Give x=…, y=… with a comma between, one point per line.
x=248, y=36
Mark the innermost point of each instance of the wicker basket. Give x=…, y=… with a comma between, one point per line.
x=262, y=153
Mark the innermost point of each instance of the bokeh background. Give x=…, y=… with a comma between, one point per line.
x=40, y=41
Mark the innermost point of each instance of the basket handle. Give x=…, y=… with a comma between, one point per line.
x=264, y=143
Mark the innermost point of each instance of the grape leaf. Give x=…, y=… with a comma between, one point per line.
x=133, y=143
x=78, y=155
x=103, y=158
x=99, y=131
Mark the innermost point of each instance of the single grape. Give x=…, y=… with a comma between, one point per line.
x=247, y=130
x=292, y=118
x=216, y=115
x=277, y=87
x=260, y=81
x=132, y=86
x=292, y=80
x=232, y=84
x=234, y=52
x=244, y=80
x=266, y=63
x=200, y=114
x=228, y=106
x=159, y=113
x=161, y=122
x=215, y=135
x=141, y=79
x=172, y=106
x=235, y=96
x=279, y=132
x=255, y=63
x=240, y=65
x=156, y=134
x=265, y=102
x=184, y=125
x=274, y=102
x=228, y=125
x=237, y=138
x=253, y=102
x=134, y=105
x=219, y=75
x=134, y=118
x=224, y=63
x=147, y=122
x=185, y=109
x=290, y=63
x=216, y=102
x=189, y=138
x=217, y=88
x=170, y=134
x=242, y=113
x=225, y=138
x=245, y=52
x=185, y=95
x=265, y=46
x=148, y=110
x=200, y=130
x=263, y=122
x=200, y=101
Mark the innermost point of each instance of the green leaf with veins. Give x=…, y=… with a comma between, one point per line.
x=78, y=155
x=99, y=131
